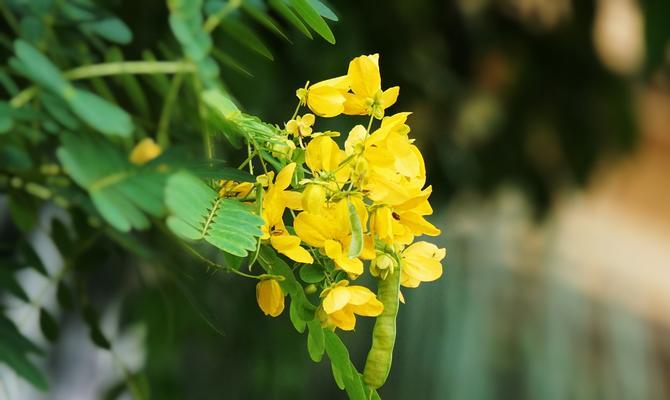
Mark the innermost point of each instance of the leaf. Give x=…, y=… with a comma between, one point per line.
x=276, y=266
x=8, y=282
x=217, y=101
x=262, y=18
x=23, y=212
x=38, y=67
x=323, y=10
x=61, y=237
x=311, y=274
x=14, y=349
x=48, y=325
x=356, y=245
x=288, y=14
x=229, y=61
x=246, y=36
x=6, y=121
x=339, y=358
x=95, y=333
x=313, y=19
x=64, y=296
x=198, y=213
x=316, y=343
x=294, y=314
x=130, y=84
x=31, y=258
x=122, y=192
x=99, y=113
x=111, y=28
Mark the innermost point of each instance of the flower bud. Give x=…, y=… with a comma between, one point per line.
x=311, y=288
x=382, y=265
x=314, y=198
x=270, y=297
x=283, y=149
x=145, y=151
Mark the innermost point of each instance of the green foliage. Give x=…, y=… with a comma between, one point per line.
x=198, y=213
x=76, y=107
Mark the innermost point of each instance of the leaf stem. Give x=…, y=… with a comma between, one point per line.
x=162, y=136
x=108, y=69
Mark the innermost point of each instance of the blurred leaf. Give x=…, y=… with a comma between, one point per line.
x=246, y=36
x=199, y=213
x=313, y=19
x=60, y=234
x=9, y=283
x=112, y=29
x=229, y=61
x=14, y=349
x=130, y=84
x=6, y=122
x=48, y=325
x=64, y=296
x=316, y=343
x=122, y=192
x=38, y=68
x=31, y=258
x=99, y=113
x=55, y=107
x=95, y=333
x=259, y=14
x=23, y=212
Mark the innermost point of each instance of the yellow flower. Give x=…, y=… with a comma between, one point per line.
x=330, y=230
x=342, y=303
x=275, y=201
x=421, y=263
x=367, y=97
x=400, y=223
x=270, y=297
x=234, y=189
x=325, y=98
x=301, y=126
x=314, y=198
x=144, y=151
x=394, y=170
x=323, y=157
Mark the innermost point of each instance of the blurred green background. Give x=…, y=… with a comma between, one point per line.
x=522, y=109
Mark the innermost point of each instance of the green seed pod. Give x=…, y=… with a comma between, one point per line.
x=378, y=364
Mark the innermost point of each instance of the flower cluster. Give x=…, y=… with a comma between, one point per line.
x=351, y=205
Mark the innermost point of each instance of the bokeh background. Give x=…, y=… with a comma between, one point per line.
x=545, y=126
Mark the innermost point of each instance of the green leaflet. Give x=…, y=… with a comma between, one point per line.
x=313, y=19
x=198, y=213
x=99, y=113
x=123, y=193
x=316, y=342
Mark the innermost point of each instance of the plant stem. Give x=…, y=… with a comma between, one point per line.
x=372, y=118
x=213, y=21
x=108, y=69
x=162, y=135
x=202, y=113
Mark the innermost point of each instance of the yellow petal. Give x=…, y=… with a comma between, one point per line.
x=340, y=83
x=364, y=76
x=289, y=246
x=355, y=105
x=343, y=319
x=418, y=224
x=353, y=266
x=308, y=119
x=372, y=308
x=383, y=224
x=270, y=297
x=325, y=101
x=421, y=261
x=314, y=198
x=336, y=299
x=292, y=200
x=322, y=154
x=310, y=228
x=285, y=176
x=389, y=97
